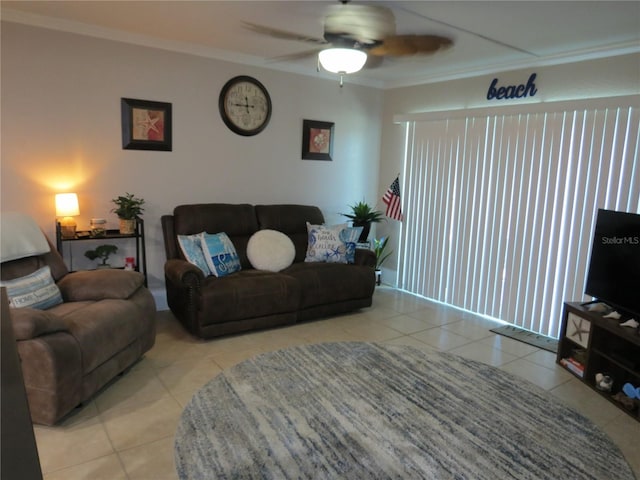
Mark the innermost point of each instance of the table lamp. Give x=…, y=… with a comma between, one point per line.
x=67, y=207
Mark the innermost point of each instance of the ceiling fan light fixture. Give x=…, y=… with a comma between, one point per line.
x=342, y=60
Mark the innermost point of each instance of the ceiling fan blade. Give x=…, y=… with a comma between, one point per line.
x=373, y=62
x=282, y=34
x=403, y=45
x=365, y=24
x=295, y=56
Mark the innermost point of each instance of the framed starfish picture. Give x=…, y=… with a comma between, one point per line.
x=146, y=125
x=578, y=329
x=317, y=140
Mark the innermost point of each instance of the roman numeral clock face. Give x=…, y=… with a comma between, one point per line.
x=245, y=105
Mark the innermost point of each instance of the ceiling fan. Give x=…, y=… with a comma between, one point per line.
x=355, y=34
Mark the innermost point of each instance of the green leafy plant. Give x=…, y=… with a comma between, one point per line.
x=363, y=216
x=362, y=213
x=128, y=207
x=102, y=252
x=379, y=246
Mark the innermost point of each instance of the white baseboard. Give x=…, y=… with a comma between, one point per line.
x=160, y=296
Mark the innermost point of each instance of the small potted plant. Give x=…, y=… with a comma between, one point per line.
x=102, y=252
x=363, y=215
x=379, y=245
x=128, y=209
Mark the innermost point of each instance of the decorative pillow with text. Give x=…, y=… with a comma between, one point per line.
x=220, y=254
x=325, y=244
x=36, y=290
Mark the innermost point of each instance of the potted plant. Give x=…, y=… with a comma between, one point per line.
x=363, y=215
x=128, y=209
x=102, y=252
x=379, y=246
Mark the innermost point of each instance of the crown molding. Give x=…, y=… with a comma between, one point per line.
x=551, y=60
x=122, y=36
x=79, y=28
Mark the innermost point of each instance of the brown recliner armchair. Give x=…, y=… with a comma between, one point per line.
x=105, y=323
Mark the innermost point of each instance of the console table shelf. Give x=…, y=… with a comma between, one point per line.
x=137, y=236
x=591, y=344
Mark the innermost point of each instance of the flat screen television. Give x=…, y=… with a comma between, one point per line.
x=614, y=267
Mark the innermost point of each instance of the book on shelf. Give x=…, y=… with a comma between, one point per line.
x=573, y=365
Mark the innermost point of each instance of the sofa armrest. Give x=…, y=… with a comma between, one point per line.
x=30, y=323
x=180, y=272
x=365, y=257
x=94, y=285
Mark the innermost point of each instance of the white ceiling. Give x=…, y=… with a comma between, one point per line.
x=489, y=36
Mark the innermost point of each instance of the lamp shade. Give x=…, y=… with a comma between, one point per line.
x=342, y=60
x=67, y=205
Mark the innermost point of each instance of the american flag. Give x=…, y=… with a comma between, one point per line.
x=391, y=199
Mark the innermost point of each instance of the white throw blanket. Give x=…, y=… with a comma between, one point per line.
x=20, y=236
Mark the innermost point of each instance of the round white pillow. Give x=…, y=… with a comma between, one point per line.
x=270, y=250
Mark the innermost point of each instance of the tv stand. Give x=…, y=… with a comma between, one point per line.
x=598, y=306
x=585, y=304
x=590, y=344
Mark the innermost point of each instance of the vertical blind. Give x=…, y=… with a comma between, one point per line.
x=500, y=208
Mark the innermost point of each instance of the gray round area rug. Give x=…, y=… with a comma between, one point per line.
x=370, y=411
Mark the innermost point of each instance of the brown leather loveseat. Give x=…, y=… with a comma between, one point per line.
x=104, y=323
x=210, y=306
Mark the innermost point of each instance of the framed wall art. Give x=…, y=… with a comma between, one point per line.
x=317, y=140
x=146, y=125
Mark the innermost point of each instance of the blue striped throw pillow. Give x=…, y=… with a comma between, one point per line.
x=36, y=290
x=192, y=250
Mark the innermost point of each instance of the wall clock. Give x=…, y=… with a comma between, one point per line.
x=245, y=105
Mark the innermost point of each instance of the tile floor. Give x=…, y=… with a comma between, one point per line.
x=126, y=431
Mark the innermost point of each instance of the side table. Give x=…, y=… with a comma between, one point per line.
x=85, y=236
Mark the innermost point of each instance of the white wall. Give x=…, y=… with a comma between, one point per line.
x=60, y=112
x=590, y=79
x=61, y=132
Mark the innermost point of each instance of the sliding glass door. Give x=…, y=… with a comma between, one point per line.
x=500, y=206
